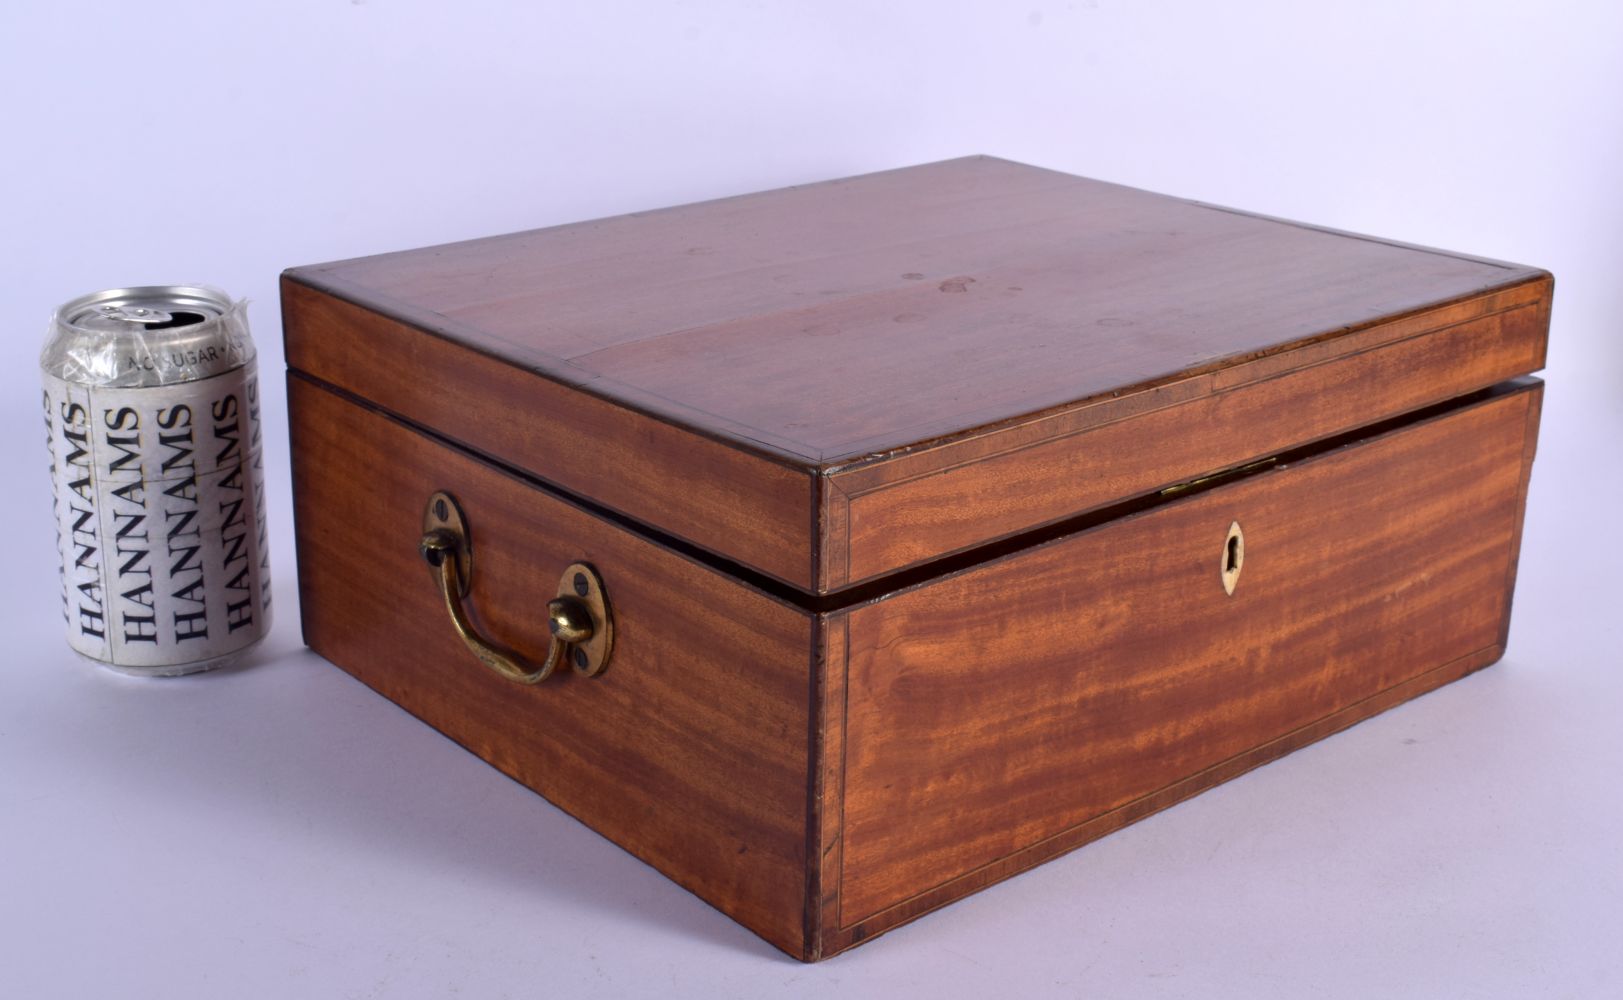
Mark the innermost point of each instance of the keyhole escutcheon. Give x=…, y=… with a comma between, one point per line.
x=1233, y=557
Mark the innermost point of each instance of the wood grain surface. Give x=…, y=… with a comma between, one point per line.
x=824, y=777
x=884, y=517
x=691, y=749
x=752, y=509
x=776, y=377
x=1001, y=715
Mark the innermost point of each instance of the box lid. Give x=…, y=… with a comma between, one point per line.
x=831, y=383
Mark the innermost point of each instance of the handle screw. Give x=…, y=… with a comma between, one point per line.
x=569, y=620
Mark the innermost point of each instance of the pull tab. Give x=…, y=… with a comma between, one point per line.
x=1233, y=557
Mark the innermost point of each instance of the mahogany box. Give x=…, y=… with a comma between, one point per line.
x=843, y=549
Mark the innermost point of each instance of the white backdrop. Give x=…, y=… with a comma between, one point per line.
x=278, y=831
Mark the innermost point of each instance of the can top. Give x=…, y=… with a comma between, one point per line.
x=146, y=336
x=155, y=307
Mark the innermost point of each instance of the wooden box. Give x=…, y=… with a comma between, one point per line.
x=945, y=519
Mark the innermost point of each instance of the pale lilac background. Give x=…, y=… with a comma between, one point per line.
x=281, y=832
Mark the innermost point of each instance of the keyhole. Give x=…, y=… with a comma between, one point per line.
x=1233, y=557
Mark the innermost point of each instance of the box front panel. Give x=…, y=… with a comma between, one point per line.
x=690, y=750
x=1017, y=709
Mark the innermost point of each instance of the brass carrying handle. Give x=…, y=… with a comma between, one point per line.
x=578, y=617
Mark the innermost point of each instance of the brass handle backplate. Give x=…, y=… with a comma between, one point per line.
x=578, y=618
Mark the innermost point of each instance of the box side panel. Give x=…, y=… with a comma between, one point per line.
x=888, y=516
x=1010, y=712
x=690, y=751
x=740, y=505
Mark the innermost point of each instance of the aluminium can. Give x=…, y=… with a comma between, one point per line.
x=152, y=417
